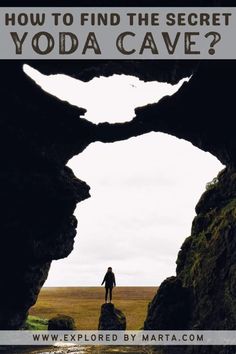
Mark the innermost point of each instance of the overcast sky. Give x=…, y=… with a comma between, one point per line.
x=143, y=190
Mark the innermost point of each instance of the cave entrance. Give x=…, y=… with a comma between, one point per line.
x=143, y=197
x=143, y=190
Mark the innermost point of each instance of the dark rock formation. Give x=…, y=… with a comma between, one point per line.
x=111, y=318
x=61, y=322
x=207, y=260
x=38, y=135
x=171, y=306
x=206, y=270
x=38, y=192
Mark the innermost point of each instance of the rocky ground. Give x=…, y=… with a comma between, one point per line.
x=83, y=350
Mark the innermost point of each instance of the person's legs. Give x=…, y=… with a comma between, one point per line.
x=106, y=294
x=110, y=294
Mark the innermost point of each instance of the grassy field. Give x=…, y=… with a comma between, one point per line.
x=84, y=303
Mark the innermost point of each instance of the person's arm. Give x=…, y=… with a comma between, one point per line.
x=104, y=279
x=114, y=279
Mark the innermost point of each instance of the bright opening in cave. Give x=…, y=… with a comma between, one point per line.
x=111, y=99
x=143, y=190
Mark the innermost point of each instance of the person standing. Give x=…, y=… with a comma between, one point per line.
x=110, y=282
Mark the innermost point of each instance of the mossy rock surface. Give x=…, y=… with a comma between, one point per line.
x=61, y=322
x=34, y=323
x=205, y=298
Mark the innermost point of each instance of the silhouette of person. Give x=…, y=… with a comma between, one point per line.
x=109, y=281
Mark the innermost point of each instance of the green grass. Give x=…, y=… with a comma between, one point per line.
x=84, y=304
x=34, y=323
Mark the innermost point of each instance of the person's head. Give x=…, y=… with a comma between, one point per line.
x=109, y=269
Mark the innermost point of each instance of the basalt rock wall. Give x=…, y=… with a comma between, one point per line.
x=202, y=294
